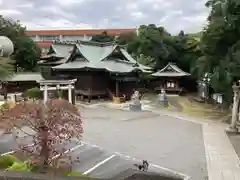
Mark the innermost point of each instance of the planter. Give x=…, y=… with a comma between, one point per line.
x=119, y=99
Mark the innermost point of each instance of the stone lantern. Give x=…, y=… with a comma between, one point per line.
x=162, y=98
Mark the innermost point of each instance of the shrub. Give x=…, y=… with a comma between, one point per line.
x=34, y=93
x=58, y=94
x=19, y=166
x=76, y=174
x=7, y=161
x=5, y=106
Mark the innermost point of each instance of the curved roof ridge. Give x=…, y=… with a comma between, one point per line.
x=173, y=66
x=85, y=42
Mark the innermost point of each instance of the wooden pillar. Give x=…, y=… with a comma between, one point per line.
x=117, y=88
x=89, y=95
x=4, y=87
x=177, y=84
x=45, y=94
x=90, y=90
x=70, y=93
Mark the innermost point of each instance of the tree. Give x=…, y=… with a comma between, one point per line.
x=220, y=45
x=48, y=125
x=161, y=47
x=144, y=60
x=104, y=37
x=149, y=42
x=6, y=67
x=26, y=53
x=125, y=38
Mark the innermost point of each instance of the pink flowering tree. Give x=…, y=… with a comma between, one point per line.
x=46, y=126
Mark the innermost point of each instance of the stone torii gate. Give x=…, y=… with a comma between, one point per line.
x=233, y=128
x=46, y=85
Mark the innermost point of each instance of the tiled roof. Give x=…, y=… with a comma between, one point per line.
x=98, y=56
x=25, y=76
x=78, y=32
x=170, y=70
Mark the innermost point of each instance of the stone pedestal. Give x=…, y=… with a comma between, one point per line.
x=135, y=107
x=233, y=128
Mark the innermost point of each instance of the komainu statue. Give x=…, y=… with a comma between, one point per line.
x=135, y=102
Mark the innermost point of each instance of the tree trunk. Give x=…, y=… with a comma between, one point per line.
x=44, y=154
x=5, y=92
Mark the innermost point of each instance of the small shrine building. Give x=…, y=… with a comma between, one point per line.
x=169, y=78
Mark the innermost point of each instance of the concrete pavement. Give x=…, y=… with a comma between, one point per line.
x=196, y=147
x=94, y=161
x=222, y=160
x=163, y=140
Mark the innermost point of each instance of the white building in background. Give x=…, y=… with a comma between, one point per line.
x=44, y=38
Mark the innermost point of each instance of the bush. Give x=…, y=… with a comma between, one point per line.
x=19, y=166
x=77, y=174
x=7, y=161
x=34, y=93
x=58, y=94
x=5, y=106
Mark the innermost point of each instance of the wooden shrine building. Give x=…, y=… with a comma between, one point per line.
x=21, y=81
x=101, y=69
x=170, y=77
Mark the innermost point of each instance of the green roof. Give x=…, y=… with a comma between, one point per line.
x=58, y=51
x=116, y=66
x=25, y=76
x=62, y=50
x=170, y=70
x=98, y=56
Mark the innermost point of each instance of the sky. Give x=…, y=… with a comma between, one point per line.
x=174, y=15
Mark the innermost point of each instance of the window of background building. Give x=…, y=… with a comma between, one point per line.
x=33, y=38
x=49, y=38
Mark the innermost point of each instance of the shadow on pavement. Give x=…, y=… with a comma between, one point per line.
x=141, y=175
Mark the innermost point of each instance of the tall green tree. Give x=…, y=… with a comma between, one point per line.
x=158, y=47
x=149, y=42
x=125, y=38
x=220, y=45
x=103, y=37
x=26, y=53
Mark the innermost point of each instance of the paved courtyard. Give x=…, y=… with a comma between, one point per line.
x=92, y=160
x=114, y=140
x=163, y=140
